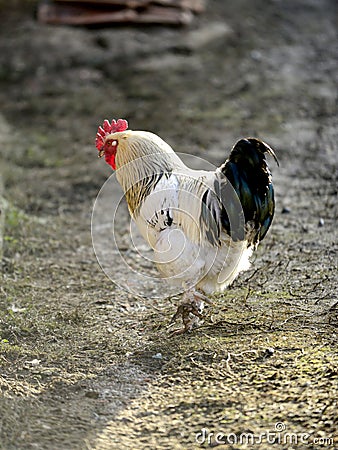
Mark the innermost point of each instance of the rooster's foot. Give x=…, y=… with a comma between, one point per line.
x=190, y=309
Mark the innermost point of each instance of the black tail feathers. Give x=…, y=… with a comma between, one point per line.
x=251, y=151
x=248, y=172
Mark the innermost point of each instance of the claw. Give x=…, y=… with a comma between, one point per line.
x=204, y=298
x=190, y=310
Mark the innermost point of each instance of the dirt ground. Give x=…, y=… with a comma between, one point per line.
x=87, y=365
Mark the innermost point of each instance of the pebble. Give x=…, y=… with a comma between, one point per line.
x=321, y=222
x=206, y=35
x=92, y=394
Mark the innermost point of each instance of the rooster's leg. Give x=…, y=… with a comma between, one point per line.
x=190, y=309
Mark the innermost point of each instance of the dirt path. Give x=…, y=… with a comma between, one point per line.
x=85, y=364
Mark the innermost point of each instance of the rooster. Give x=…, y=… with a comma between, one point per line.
x=202, y=225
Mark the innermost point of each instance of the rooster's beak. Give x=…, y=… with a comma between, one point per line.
x=101, y=153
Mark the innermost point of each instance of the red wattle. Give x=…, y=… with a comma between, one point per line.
x=110, y=159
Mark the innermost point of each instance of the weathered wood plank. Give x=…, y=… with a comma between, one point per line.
x=193, y=5
x=57, y=13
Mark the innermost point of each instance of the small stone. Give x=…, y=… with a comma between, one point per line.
x=157, y=356
x=321, y=222
x=92, y=394
x=286, y=210
x=269, y=351
x=34, y=362
x=256, y=55
x=207, y=35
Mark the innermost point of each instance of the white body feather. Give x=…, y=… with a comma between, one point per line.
x=183, y=254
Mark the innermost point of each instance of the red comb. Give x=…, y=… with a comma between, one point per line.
x=108, y=128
